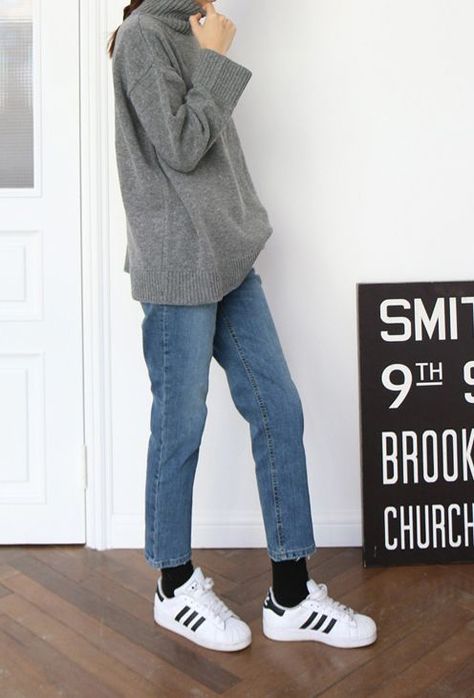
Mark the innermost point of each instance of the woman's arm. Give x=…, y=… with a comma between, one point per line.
x=184, y=123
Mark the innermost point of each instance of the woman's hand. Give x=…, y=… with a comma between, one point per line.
x=216, y=33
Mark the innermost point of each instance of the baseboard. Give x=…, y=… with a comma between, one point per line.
x=339, y=529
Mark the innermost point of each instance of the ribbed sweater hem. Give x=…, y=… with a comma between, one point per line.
x=178, y=287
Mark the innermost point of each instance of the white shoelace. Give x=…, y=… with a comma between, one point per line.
x=322, y=595
x=210, y=600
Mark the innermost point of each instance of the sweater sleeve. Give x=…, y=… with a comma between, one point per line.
x=184, y=123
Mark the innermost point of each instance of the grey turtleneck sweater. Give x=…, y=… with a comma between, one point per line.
x=195, y=224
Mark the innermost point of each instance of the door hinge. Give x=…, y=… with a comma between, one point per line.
x=84, y=465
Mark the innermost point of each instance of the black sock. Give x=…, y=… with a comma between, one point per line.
x=173, y=577
x=289, y=581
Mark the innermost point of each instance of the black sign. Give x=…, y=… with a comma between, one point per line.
x=416, y=388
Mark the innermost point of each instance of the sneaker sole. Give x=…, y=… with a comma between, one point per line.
x=174, y=626
x=291, y=635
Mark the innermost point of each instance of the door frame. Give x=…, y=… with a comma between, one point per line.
x=96, y=104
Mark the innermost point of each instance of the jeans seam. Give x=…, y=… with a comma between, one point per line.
x=162, y=435
x=264, y=415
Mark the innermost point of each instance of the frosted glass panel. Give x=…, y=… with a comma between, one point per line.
x=16, y=94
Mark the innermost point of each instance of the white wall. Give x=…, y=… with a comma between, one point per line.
x=357, y=127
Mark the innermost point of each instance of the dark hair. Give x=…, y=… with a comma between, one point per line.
x=126, y=11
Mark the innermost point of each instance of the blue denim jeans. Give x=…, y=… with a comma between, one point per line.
x=179, y=342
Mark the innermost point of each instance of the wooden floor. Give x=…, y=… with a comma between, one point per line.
x=78, y=622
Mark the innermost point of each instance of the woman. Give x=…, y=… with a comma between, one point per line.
x=195, y=226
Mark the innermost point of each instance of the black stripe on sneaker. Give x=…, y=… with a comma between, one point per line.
x=319, y=623
x=309, y=619
x=330, y=625
x=198, y=623
x=269, y=604
x=181, y=613
x=190, y=618
x=160, y=595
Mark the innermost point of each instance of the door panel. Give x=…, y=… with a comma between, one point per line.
x=42, y=497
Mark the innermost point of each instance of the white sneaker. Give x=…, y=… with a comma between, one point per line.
x=197, y=613
x=317, y=617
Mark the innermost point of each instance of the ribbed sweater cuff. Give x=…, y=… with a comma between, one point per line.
x=223, y=77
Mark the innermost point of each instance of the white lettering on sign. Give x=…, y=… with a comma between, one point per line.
x=430, y=374
x=447, y=456
x=442, y=321
x=429, y=526
x=468, y=373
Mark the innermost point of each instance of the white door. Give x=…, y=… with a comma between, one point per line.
x=42, y=497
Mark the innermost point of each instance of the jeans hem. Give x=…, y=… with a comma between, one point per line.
x=169, y=562
x=292, y=554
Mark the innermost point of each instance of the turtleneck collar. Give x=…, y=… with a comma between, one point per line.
x=174, y=13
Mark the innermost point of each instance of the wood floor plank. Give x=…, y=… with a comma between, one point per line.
x=19, y=676
x=135, y=575
x=3, y=591
x=458, y=683
x=281, y=659
x=9, y=553
x=461, y=578
x=169, y=646
x=375, y=674
x=6, y=571
x=165, y=678
x=466, y=600
x=73, y=564
x=76, y=621
x=77, y=649
x=62, y=670
x=107, y=586
x=434, y=666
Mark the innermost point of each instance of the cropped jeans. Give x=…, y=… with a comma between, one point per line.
x=179, y=342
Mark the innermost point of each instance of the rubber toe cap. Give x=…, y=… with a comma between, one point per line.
x=366, y=626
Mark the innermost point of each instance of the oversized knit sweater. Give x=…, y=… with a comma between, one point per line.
x=195, y=223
